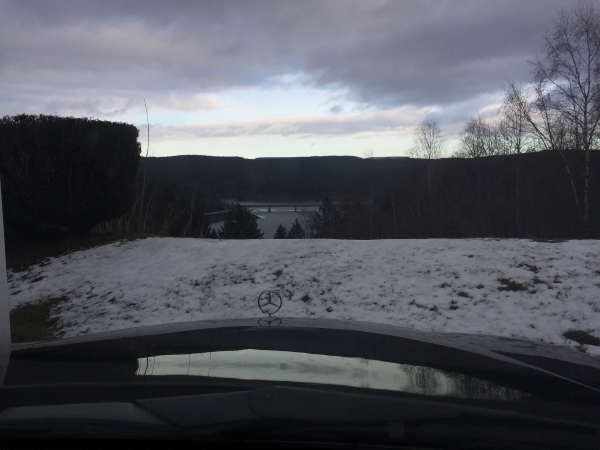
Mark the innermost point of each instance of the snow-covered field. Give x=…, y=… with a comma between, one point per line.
x=513, y=288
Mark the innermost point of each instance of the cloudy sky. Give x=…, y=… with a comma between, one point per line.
x=269, y=78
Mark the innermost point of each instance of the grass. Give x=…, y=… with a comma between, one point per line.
x=19, y=259
x=32, y=322
x=414, y=303
x=550, y=241
x=510, y=285
x=581, y=337
x=534, y=269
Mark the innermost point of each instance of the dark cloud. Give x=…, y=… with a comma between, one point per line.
x=379, y=53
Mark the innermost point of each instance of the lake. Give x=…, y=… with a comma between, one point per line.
x=280, y=213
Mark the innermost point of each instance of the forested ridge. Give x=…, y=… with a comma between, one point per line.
x=390, y=197
x=300, y=178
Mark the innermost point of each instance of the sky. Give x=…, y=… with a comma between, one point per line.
x=270, y=78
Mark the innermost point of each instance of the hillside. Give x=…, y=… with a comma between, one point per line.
x=307, y=178
x=534, y=195
x=511, y=288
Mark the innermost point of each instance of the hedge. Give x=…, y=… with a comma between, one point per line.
x=64, y=174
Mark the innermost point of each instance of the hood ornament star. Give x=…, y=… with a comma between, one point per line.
x=269, y=303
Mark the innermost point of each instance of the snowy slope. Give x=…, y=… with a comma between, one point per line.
x=513, y=288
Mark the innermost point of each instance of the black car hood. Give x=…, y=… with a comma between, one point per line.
x=453, y=352
x=139, y=365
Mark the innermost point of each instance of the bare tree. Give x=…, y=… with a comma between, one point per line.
x=141, y=217
x=429, y=141
x=514, y=126
x=428, y=145
x=515, y=131
x=369, y=155
x=567, y=83
x=479, y=138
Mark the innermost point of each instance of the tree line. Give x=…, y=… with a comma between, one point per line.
x=557, y=110
x=531, y=171
x=527, y=172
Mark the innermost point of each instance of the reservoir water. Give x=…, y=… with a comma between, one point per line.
x=280, y=213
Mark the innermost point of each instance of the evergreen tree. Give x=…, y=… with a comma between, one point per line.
x=240, y=224
x=344, y=220
x=281, y=232
x=296, y=232
x=325, y=220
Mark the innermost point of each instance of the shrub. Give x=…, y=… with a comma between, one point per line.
x=65, y=174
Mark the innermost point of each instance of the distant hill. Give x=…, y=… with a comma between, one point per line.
x=308, y=178
x=528, y=195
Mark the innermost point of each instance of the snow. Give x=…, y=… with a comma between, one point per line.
x=503, y=287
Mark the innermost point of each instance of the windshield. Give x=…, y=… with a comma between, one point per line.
x=431, y=166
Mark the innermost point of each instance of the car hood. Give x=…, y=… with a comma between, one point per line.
x=297, y=357
x=487, y=356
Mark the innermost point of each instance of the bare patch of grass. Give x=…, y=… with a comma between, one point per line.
x=414, y=303
x=534, y=269
x=21, y=258
x=510, y=285
x=32, y=322
x=278, y=273
x=581, y=337
x=549, y=241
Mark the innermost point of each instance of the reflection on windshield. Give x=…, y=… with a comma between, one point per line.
x=324, y=369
